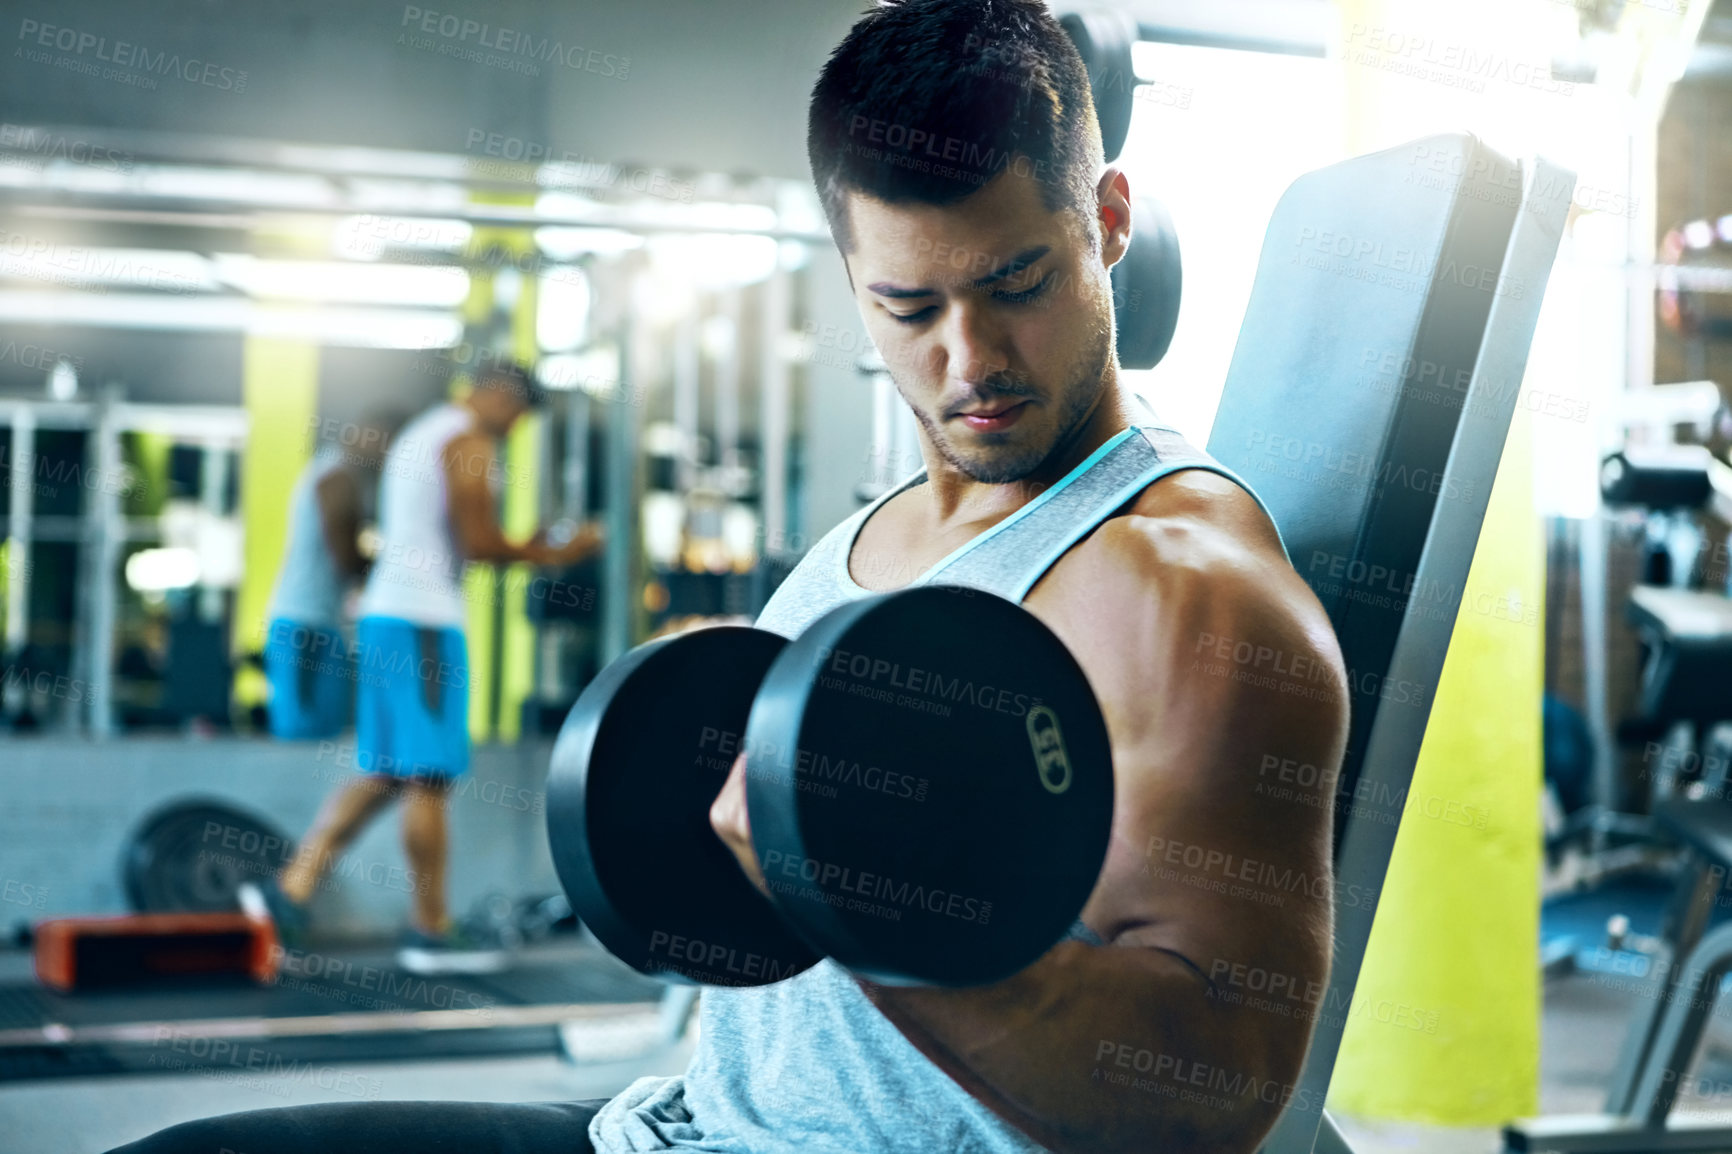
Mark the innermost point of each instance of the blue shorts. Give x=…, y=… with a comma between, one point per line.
x=312, y=676
x=413, y=716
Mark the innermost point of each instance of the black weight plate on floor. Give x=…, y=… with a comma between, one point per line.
x=945, y=810
x=194, y=855
x=639, y=761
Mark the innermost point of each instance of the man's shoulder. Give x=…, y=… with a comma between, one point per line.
x=1194, y=525
x=464, y=447
x=1201, y=497
x=1194, y=555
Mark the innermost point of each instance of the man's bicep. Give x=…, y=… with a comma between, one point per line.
x=469, y=499
x=1225, y=771
x=1202, y=855
x=339, y=502
x=1216, y=842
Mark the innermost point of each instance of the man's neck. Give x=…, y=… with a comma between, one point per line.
x=955, y=496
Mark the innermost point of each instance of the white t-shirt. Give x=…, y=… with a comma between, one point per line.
x=418, y=574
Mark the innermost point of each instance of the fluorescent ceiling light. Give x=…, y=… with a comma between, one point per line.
x=710, y=261
x=377, y=328
x=82, y=265
x=407, y=195
x=565, y=243
x=310, y=280
x=704, y=216
x=564, y=204
x=576, y=174
x=191, y=182
x=723, y=217
x=366, y=237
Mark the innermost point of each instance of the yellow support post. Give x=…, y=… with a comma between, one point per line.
x=519, y=462
x=280, y=389
x=1444, y=1026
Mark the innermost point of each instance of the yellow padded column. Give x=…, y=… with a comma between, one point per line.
x=1445, y=1022
x=280, y=390
x=519, y=459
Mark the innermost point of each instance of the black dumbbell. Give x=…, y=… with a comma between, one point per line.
x=928, y=778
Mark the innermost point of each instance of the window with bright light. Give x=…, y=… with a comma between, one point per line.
x=1217, y=137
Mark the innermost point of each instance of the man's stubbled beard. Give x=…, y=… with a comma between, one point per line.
x=1001, y=465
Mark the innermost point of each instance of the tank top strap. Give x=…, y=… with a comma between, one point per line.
x=1012, y=556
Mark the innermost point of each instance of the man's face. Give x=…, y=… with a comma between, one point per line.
x=498, y=409
x=993, y=316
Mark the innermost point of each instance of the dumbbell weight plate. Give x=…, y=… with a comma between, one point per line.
x=930, y=786
x=641, y=757
x=1105, y=39
x=1148, y=283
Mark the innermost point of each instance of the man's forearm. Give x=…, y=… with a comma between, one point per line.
x=503, y=553
x=1104, y=1049
x=501, y=550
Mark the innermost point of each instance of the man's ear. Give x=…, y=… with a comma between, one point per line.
x=1113, y=204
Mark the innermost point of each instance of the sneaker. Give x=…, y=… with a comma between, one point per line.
x=266, y=899
x=455, y=952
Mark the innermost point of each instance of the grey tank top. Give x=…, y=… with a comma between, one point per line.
x=809, y=1065
x=309, y=589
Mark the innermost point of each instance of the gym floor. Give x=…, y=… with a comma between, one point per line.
x=1584, y=1016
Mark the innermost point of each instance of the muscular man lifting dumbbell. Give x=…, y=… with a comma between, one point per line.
x=1130, y=546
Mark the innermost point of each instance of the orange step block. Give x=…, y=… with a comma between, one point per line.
x=140, y=949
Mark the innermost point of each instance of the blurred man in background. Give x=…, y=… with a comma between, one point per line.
x=309, y=665
x=438, y=510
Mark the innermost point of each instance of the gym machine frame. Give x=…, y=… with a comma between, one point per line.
x=102, y=529
x=1293, y=369
x=1683, y=987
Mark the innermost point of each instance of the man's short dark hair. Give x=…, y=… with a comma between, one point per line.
x=925, y=101
x=513, y=377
